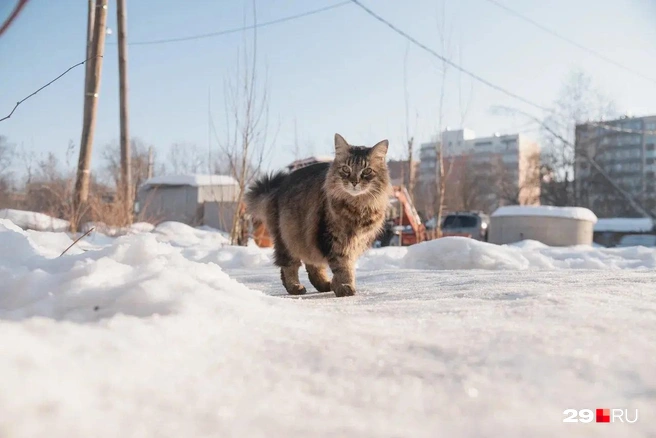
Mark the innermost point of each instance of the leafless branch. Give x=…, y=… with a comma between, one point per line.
x=441, y=175
x=464, y=111
x=247, y=124
x=77, y=240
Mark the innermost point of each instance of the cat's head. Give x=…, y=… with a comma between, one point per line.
x=359, y=170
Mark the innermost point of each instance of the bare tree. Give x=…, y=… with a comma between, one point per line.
x=7, y=155
x=245, y=142
x=49, y=188
x=184, y=158
x=440, y=174
x=410, y=178
x=517, y=184
x=579, y=101
x=139, y=164
x=468, y=191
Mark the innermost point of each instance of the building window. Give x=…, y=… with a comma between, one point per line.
x=650, y=147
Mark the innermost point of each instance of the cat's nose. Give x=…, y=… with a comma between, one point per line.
x=355, y=183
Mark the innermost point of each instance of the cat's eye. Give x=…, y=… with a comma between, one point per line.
x=367, y=171
x=346, y=169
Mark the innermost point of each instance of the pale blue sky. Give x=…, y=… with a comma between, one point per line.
x=338, y=71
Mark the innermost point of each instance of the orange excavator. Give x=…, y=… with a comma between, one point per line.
x=403, y=217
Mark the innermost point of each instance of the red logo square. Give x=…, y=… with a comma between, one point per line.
x=603, y=415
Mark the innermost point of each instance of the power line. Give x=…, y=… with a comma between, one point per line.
x=572, y=42
x=241, y=29
x=45, y=86
x=482, y=80
x=448, y=61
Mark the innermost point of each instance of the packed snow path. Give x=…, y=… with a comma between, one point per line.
x=169, y=334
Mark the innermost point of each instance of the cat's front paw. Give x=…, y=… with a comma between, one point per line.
x=344, y=290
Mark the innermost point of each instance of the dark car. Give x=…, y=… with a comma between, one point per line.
x=468, y=224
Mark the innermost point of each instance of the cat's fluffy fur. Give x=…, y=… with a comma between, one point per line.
x=325, y=214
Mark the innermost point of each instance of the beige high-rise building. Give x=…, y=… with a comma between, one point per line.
x=483, y=173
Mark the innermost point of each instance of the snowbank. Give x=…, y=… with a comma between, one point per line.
x=135, y=275
x=231, y=257
x=30, y=220
x=111, y=231
x=190, y=180
x=579, y=213
x=624, y=225
x=460, y=253
x=182, y=235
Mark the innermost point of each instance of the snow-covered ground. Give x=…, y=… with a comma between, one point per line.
x=33, y=220
x=171, y=333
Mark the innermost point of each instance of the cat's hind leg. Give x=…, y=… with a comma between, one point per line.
x=288, y=268
x=318, y=277
x=289, y=277
x=289, y=265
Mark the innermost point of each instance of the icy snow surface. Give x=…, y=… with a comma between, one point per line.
x=171, y=333
x=546, y=210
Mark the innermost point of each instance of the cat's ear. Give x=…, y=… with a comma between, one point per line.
x=379, y=151
x=341, y=146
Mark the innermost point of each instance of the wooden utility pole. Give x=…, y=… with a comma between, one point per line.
x=126, y=177
x=91, y=14
x=91, y=89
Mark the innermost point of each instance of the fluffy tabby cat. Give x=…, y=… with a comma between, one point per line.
x=325, y=214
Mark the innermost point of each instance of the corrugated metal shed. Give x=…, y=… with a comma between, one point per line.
x=184, y=198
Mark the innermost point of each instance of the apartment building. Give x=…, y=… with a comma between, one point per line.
x=483, y=173
x=455, y=144
x=624, y=149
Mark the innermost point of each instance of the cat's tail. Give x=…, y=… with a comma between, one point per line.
x=261, y=191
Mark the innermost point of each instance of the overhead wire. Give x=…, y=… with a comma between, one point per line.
x=481, y=79
x=570, y=41
x=447, y=60
x=242, y=28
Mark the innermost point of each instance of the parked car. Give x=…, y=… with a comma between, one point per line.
x=468, y=224
x=648, y=240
